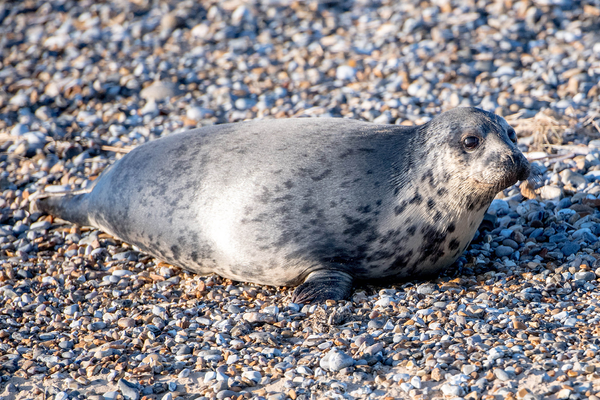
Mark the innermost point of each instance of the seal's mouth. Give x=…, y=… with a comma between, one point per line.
x=483, y=184
x=516, y=171
x=497, y=186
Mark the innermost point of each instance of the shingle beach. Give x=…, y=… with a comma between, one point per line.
x=86, y=316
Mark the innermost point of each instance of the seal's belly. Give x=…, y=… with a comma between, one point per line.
x=279, y=257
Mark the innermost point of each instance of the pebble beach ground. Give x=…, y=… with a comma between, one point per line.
x=85, y=316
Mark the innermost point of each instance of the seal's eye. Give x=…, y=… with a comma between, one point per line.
x=471, y=142
x=512, y=135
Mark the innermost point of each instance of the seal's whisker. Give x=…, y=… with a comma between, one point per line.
x=535, y=176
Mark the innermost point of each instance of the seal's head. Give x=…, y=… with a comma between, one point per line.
x=478, y=151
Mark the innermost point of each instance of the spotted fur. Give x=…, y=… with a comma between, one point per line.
x=275, y=202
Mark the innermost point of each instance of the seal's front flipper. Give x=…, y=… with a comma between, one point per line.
x=323, y=285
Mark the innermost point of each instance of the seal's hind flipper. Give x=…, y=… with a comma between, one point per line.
x=70, y=206
x=323, y=285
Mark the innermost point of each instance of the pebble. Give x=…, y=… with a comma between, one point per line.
x=501, y=374
x=585, y=276
x=225, y=394
x=502, y=251
x=198, y=113
x=570, y=248
x=467, y=369
x=19, y=130
x=72, y=309
x=573, y=178
x=336, y=360
x=345, y=72
x=61, y=396
x=112, y=395
x=451, y=390
x=252, y=376
x=128, y=389
x=551, y=192
x=184, y=373
x=564, y=394
x=426, y=289
x=159, y=90
x=244, y=104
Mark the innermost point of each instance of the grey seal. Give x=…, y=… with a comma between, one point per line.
x=315, y=202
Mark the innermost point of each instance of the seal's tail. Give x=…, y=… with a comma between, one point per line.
x=70, y=206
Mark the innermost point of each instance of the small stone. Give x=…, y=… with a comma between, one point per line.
x=126, y=323
x=519, y=325
x=40, y=226
x=128, y=389
x=72, y=309
x=436, y=374
x=159, y=90
x=502, y=251
x=574, y=179
x=467, y=369
x=11, y=388
x=210, y=376
x=501, y=374
x=373, y=349
x=426, y=288
x=550, y=192
x=66, y=344
x=345, y=72
x=570, y=248
x=183, y=350
x=522, y=393
x=170, y=22
x=184, y=373
x=451, y=390
x=19, y=130
x=336, y=360
x=198, y=113
x=44, y=113
x=110, y=395
x=225, y=393
x=253, y=376
x=416, y=382
x=495, y=353
x=244, y=104
x=585, y=276
x=472, y=396
x=375, y=324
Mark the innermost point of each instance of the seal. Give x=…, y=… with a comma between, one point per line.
x=319, y=203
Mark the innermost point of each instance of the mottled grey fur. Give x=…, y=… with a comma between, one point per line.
x=319, y=201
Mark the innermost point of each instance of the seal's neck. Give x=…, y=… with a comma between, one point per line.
x=435, y=200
